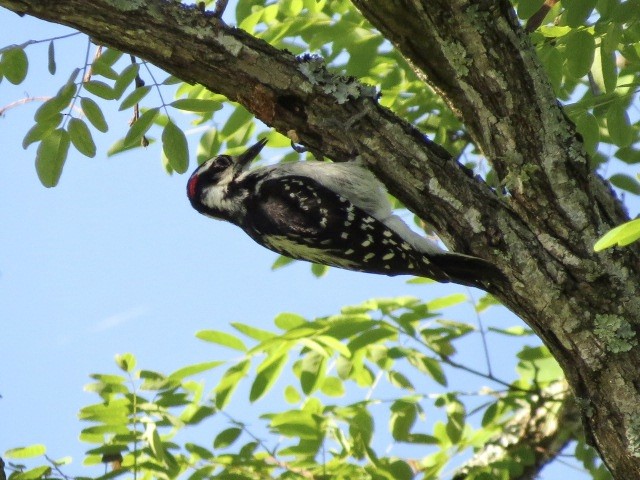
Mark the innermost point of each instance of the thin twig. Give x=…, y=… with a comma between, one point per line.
x=77, y=95
x=483, y=333
x=33, y=42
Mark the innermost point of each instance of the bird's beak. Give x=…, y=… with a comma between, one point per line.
x=252, y=152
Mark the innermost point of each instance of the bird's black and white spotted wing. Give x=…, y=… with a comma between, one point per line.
x=300, y=218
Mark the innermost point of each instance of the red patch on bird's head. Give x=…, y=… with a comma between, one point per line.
x=191, y=186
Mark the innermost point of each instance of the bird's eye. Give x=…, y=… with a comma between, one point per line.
x=223, y=161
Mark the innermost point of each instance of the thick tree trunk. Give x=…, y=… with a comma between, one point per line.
x=585, y=307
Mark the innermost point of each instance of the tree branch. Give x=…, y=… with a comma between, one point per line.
x=538, y=434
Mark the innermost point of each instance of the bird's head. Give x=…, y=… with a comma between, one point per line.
x=208, y=186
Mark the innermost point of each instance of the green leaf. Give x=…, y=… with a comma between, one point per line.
x=229, y=382
x=175, y=147
x=490, y=414
x=625, y=182
x=134, y=97
x=581, y=47
x=195, y=369
x=533, y=353
x=361, y=428
x=30, y=451
x=198, y=105
x=51, y=59
x=50, y=157
x=553, y=61
x=628, y=155
x=577, y=11
x=126, y=77
x=318, y=270
x=291, y=395
x=290, y=8
x=289, y=321
x=153, y=438
x=81, y=137
x=140, y=127
x=209, y=146
x=313, y=369
x=447, y=301
x=589, y=129
x=237, y=120
x=281, y=261
x=403, y=417
x=126, y=362
x=433, y=368
x=222, y=338
x=266, y=377
x=401, y=381
x=621, y=235
x=297, y=424
x=41, y=130
x=369, y=337
x=226, y=437
x=94, y=114
x=529, y=7
x=56, y=104
x=14, y=65
x=619, y=126
x=608, y=70
x=332, y=387
x=99, y=89
x=35, y=473
x=253, y=332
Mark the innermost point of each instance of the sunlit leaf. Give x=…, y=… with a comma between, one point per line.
x=50, y=157
x=618, y=125
x=266, y=377
x=134, y=97
x=581, y=48
x=313, y=368
x=226, y=437
x=51, y=58
x=30, y=451
x=288, y=321
x=253, y=332
x=403, y=417
x=175, y=147
x=291, y=395
x=140, y=127
x=99, y=89
x=42, y=471
x=195, y=369
x=14, y=65
x=198, y=105
x=81, y=137
x=126, y=361
x=126, y=77
x=222, y=338
x=94, y=114
x=55, y=104
x=41, y=130
x=621, y=235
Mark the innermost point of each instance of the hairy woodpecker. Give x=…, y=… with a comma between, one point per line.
x=334, y=214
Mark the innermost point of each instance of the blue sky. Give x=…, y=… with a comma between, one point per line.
x=114, y=260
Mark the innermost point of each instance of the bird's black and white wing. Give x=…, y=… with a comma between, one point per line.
x=298, y=217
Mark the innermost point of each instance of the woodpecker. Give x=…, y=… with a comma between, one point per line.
x=334, y=214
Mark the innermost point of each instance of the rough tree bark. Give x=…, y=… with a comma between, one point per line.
x=476, y=55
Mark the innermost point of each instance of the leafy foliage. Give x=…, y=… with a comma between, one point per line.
x=372, y=374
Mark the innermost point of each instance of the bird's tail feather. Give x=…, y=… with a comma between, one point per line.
x=468, y=270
